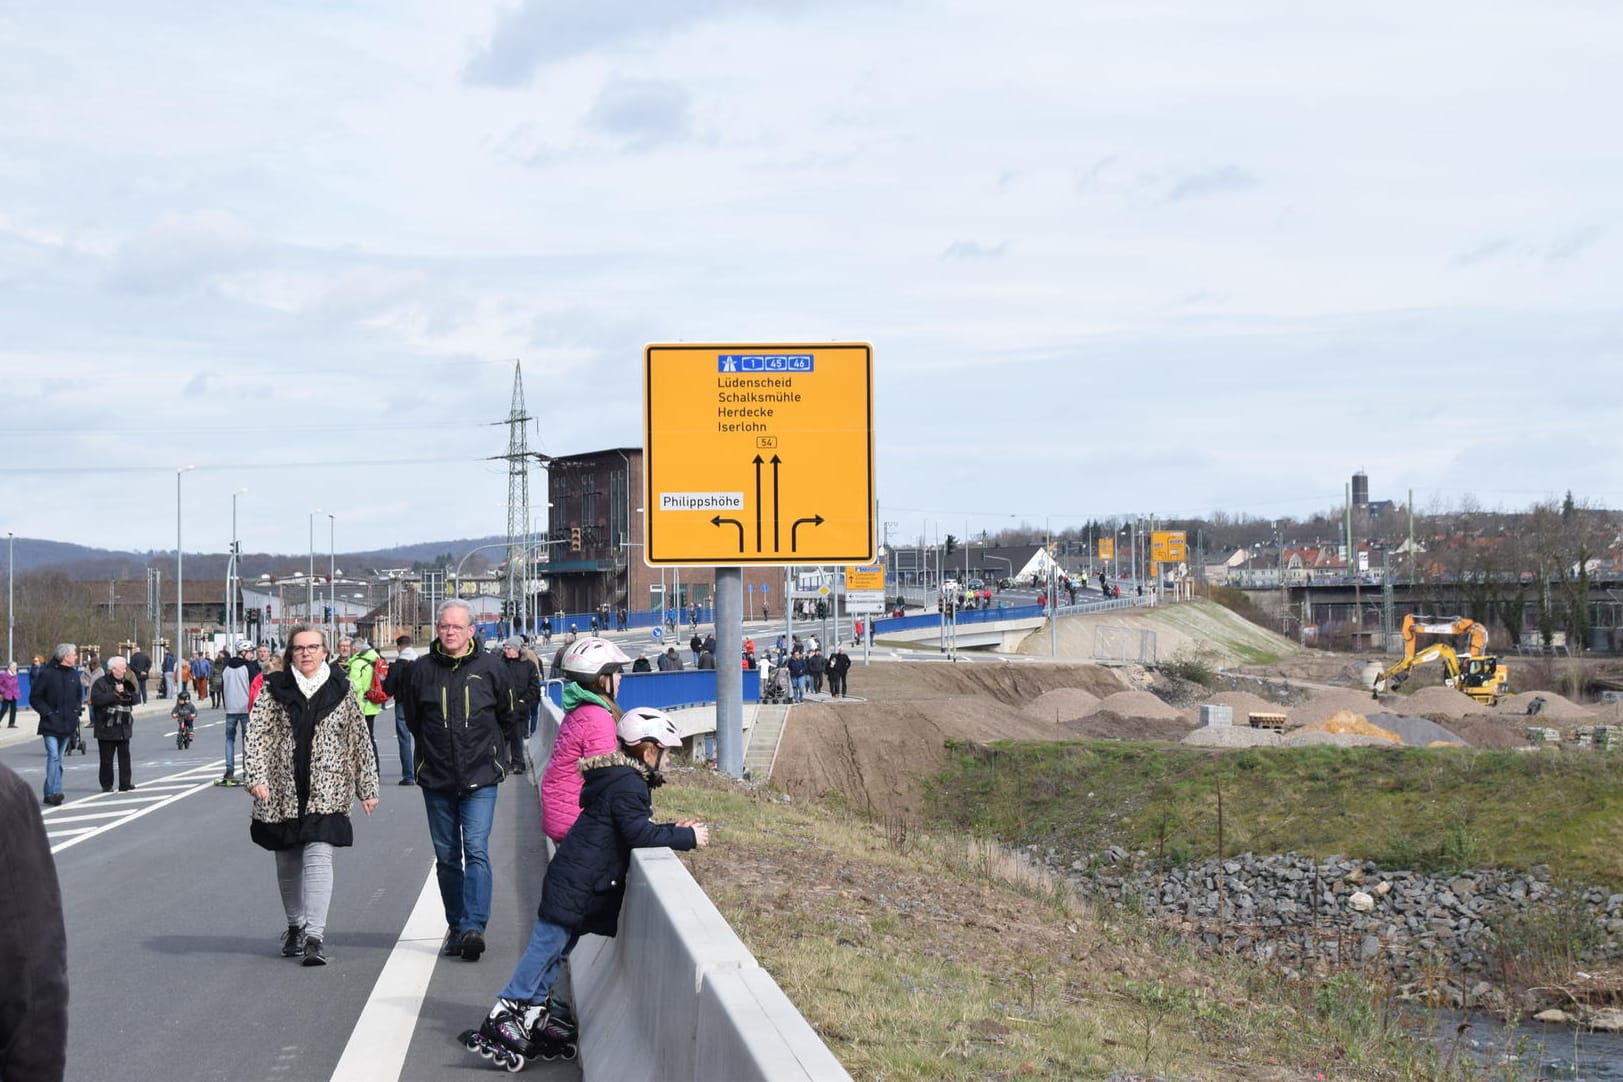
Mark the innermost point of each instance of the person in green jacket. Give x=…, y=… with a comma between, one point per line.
x=358, y=667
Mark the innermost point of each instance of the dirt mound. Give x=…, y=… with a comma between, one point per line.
x=876, y=751
x=1189, y=628
x=1437, y=702
x=1139, y=704
x=1489, y=731
x=1556, y=708
x=1348, y=723
x=1109, y=725
x=1061, y=704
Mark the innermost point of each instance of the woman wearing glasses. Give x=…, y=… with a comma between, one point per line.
x=308, y=757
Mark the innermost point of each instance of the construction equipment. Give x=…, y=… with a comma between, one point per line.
x=1456, y=626
x=1483, y=678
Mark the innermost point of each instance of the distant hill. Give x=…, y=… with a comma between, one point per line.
x=85, y=562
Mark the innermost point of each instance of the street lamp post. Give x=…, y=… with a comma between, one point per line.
x=332, y=577
x=180, y=579
x=11, y=596
x=310, y=581
x=233, y=605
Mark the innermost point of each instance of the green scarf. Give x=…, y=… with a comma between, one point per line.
x=575, y=694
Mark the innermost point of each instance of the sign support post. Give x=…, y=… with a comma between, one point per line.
x=729, y=671
x=738, y=442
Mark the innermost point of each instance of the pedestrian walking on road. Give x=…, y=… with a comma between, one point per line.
x=460, y=712
x=524, y=684
x=54, y=695
x=237, y=680
x=838, y=666
x=34, y=995
x=201, y=670
x=140, y=668
x=307, y=758
x=405, y=654
x=111, y=699
x=816, y=666
x=10, y=690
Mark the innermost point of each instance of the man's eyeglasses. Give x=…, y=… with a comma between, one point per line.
x=452, y=627
x=307, y=648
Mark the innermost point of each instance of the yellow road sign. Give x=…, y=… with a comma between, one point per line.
x=1168, y=546
x=758, y=454
x=865, y=578
x=1107, y=548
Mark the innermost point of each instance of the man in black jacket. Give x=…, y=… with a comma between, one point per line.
x=33, y=947
x=525, y=683
x=460, y=707
x=140, y=666
x=55, y=696
x=404, y=656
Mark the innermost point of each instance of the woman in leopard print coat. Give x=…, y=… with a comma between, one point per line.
x=308, y=757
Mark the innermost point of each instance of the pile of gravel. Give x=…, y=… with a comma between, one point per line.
x=1416, y=732
x=1237, y=737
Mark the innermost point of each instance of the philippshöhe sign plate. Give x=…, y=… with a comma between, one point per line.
x=758, y=454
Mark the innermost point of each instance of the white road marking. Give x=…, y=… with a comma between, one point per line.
x=83, y=818
x=377, y=1046
x=145, y=806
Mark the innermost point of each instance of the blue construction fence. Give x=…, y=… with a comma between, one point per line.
x=582, y=622
x=668, y=690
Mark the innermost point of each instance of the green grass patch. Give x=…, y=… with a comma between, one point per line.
x=1420, y=809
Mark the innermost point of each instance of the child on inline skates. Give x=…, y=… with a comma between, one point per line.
x=185, y=715
x=615, y=818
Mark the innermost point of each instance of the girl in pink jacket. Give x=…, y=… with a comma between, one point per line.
x=588, y=729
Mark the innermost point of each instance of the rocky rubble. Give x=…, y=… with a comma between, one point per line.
x=1303, y=914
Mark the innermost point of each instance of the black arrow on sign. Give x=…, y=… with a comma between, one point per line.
x=775, y=546
x=794, y=545
x=757, y=503
x=718, y=520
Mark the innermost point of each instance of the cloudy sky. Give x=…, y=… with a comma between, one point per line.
x=1159, y=257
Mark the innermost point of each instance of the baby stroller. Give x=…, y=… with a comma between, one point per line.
x=76, y=741
x=776, y=688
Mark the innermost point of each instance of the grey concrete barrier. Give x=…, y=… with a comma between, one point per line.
x=676, y=995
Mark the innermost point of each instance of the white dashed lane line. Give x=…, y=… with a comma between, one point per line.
x=125, y=807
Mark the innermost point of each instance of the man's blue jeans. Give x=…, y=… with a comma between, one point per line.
x=537, y=970
x=53, y=763
x=459, y=825
x=403, y=736
x=232, y=721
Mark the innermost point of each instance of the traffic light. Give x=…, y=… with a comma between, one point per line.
x=952, y=543
x=221, y=619
x=822, y=609
x=574, y=539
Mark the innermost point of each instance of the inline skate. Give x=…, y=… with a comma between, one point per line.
x=504, y=1039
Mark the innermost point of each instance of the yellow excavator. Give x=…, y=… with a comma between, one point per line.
x=1477, y=674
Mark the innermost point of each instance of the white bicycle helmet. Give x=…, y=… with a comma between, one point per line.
x=645, y=723
x=588, y=657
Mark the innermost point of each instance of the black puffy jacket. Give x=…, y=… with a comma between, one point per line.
x=55, y=695
x=458, y=710
x=586, y=878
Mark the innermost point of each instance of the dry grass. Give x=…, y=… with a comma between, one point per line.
x=917, y=956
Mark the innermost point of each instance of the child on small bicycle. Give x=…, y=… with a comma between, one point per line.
x=185, y=715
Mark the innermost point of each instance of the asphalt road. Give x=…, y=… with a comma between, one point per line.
x=174, y=927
